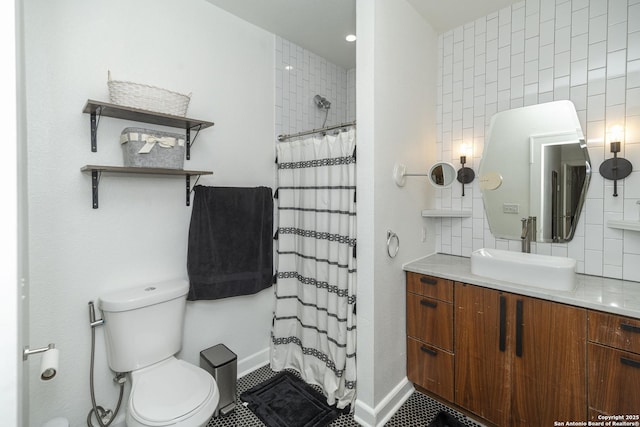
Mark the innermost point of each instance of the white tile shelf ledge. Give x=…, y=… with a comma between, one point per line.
x=624, y=225
x=445, y=213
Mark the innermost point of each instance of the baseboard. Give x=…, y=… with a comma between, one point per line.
x=378, y=416
x=253, y=362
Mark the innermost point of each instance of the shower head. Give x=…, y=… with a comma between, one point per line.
x=322, y=102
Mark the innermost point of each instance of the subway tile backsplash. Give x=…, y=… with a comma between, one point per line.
x=300, y=75
x=587, y=51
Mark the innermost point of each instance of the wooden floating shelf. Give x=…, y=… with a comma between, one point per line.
x=97, y=170
x=127, y=113
x=143, y=170
x=97, y=109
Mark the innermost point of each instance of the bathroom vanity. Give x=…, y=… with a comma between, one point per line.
x=516, y=355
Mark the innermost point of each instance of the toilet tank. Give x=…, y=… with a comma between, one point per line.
x=143, y=324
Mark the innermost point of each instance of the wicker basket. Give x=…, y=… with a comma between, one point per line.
x=146, y=97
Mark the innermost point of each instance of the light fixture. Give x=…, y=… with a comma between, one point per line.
x=465, y=175
x=288, y=67
x=350, y=38
x=616, y=167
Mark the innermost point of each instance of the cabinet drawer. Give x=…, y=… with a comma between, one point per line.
x=429, y=286
x=430, y=368
x=614, y=376
x=615, y=331
x=430, y=321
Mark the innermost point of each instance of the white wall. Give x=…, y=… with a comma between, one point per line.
x=396, y=98
x=587, y=51
x=139, y=233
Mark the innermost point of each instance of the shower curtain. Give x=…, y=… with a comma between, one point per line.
x=314, y=323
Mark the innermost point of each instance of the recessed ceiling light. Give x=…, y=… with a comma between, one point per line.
x=350, y=38
x=288, y=67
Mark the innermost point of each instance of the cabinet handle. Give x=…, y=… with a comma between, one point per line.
x=428, y=303
x=503, y=323
x=519, y=326
x=428, y=281
x=629, y=328
x=429, y=351
x=629, y=362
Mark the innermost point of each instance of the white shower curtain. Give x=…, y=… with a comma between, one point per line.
x=314, y=325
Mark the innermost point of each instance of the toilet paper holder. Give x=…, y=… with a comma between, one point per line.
x=49, y=362
x=28, y=352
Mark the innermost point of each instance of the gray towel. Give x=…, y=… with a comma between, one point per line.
x=230, y=249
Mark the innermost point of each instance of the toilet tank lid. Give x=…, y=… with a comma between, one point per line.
x=143, y=295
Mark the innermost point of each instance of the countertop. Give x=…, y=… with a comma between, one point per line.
x=599, y=293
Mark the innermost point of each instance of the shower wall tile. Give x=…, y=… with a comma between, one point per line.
x=300, y=75
x=587, y=51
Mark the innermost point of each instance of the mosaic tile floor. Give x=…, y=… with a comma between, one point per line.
x=417, y=411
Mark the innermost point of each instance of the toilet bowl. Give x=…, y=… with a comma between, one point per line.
x=171, y=393
x=143, y=332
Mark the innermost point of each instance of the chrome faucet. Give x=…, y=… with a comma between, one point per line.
x=528, y=233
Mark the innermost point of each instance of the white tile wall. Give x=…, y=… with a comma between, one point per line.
x=587, y=51
x=300, y=75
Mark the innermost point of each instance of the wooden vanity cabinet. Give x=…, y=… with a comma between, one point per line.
x=520, y=361
x=614, y=365
x=430, y=358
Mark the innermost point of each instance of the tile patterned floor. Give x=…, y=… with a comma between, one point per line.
x=417, y=411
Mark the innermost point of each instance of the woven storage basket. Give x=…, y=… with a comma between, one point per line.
x=161, y=154
x=146, y=97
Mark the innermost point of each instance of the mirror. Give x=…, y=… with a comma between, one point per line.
x=442, y=174
x=535, y=164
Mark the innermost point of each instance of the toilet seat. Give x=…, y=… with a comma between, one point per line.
x=170, y=392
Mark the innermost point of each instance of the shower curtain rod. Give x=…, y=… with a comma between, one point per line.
x=309, y=132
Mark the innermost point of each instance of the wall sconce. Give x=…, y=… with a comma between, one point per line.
x=616, y=167
x=465, y=175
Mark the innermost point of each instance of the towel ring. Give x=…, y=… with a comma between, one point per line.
x=390, y=237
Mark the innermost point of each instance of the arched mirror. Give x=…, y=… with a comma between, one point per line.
x=442, y=174
x=535, y=164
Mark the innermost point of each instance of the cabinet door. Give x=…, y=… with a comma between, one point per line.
x=430, y=321
x=429, y=286
x=615, y=331
x=549, y=367
x=483, y=377
x=431, y=368
x=614, y=376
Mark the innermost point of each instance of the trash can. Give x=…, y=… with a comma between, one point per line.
x=222, y=364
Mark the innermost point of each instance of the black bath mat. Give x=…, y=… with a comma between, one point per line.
x=444, y=419
x=286, y=401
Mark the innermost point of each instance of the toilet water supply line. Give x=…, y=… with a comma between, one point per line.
x=104, y=417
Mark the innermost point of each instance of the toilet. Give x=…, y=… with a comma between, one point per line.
x=143, y=332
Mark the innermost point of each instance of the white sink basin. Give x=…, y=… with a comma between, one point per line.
x=540, y=271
